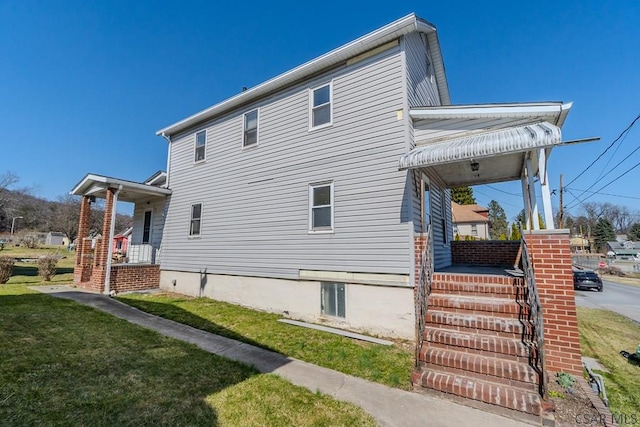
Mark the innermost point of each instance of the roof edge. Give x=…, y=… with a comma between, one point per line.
x=393, y=30
x=559, y=110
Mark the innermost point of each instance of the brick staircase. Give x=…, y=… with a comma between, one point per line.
x=476, y=342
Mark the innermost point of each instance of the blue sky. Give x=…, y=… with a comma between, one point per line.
x=85, y=85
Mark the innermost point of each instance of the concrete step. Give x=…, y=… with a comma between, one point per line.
x=484, y=391
x=500, y=371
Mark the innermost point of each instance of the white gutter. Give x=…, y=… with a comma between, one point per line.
x=112, y=227
x=392, y=31
x=489, y=111
x=168, y=139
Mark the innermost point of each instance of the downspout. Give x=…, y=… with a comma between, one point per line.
x=168, y=139
x=112, y=226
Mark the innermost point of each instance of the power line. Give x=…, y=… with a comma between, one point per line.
x=502, y=191
x=604, y=194
x=607, y=149
x=607, y=184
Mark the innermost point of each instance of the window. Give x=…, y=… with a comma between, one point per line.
x=250, y=129
x=201, y=145
x=321, y=114
x=474, y=230
x=321, y=207
x=332, y=299
x=146, y=227
x=425, y=204
x=196, y=219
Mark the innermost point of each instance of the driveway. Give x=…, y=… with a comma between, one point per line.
x=622, y=299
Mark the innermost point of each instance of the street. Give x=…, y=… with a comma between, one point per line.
x=623, y=299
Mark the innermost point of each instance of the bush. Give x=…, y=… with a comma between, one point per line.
x=614, y=271
x=29, y=240
x=6, y=268
x=47, y=267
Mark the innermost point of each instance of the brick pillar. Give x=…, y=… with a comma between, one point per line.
x=551, y=259
x=83, y=257
x=102, y=245
x=418, y=245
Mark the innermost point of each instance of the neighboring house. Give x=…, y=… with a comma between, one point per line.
x=121, y=241
x=470, y=221
x=323, y=194
x=623, y=251
x=54, y=238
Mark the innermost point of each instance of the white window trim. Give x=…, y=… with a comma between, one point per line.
x=195, y=147
x=333, y=203
x=199, y=235
x=311, y=90
x=244, y=118
x=150, y=226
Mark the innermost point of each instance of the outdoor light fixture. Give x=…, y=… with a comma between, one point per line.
x=475, y=166
x=92, y=199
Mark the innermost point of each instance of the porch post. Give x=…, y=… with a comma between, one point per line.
x=544, y=188
x=83, y=256
x=532, y=196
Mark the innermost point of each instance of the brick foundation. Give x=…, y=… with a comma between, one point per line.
x=488, y=253
x=551, y=259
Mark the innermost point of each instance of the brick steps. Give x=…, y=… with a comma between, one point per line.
x=475, y=342
x=489, y=369
x=484, y=391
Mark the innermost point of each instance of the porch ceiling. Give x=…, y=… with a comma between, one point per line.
x=96, y=185
x=499, y=155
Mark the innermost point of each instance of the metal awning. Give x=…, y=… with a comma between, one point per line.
x=507, y=141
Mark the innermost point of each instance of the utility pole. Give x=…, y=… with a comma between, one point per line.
x=561, y=216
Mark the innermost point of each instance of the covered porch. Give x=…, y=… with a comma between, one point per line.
x=99, y=266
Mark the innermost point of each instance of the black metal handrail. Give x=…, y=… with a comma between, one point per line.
x=423, y=290
x=536, y=356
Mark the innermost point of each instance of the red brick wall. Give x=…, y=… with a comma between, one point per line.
x=134, y=277
x=551, y=258
x=485, y=252
x=419, y=242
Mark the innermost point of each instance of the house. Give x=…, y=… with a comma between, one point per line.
x=470, y=221
x=623, y=251
x=121, y=241
x=323, y=194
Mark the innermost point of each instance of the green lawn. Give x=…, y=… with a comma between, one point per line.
x=27, y=272
x=602, y=335
x=390, y=365
x=62, y=363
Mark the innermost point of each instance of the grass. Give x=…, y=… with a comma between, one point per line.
x=27, y=272
x=62, y=363
x=603, y=334
x=389, y=365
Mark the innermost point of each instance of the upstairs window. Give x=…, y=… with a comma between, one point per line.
x=201, y=145
x=321, y=112
x=250, y=129
x=196, y=219
x=321, y=207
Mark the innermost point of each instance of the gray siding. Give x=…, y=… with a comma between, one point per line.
x=255, y=201
x=422, y=90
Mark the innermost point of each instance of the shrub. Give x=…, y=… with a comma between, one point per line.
x=29, y=240
x=6, y=268
x=47, y=267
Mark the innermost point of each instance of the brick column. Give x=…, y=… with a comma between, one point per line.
x=102, y=245
x=83, y=257
x=551, y=260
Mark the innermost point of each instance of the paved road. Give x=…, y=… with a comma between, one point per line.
x=623, y=299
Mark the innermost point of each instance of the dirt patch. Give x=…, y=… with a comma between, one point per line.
x=573, y=406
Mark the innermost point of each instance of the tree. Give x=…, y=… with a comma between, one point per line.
x=634, y=232
x=498, y=225
x=521, y=219
x=515, y=232
x=463, y=196
x=603, y=233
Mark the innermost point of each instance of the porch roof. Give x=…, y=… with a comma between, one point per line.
x=497, y=155
x=97, y=185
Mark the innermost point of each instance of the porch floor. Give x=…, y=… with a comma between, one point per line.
x=482, y=270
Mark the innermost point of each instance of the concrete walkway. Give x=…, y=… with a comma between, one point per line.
x=389, y=406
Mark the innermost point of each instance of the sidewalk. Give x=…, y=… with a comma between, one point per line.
x=389, y=406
